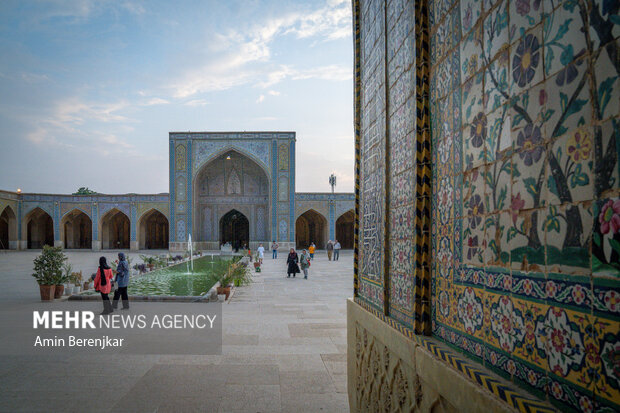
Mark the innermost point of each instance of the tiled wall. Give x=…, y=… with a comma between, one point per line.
x=393, y=264
x=526, y=201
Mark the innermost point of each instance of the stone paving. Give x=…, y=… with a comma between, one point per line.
x=284, y=350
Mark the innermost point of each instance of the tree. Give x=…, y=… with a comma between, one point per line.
x=84, y=191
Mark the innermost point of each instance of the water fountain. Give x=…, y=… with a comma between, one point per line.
x=190, y=247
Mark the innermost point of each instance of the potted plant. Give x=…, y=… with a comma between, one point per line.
x=149, y=261
x=76, y=277
x=240, y=274
x=48, y=269
x=225, y=281
x=62, y=278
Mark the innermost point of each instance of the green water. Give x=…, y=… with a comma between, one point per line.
x=175, y=280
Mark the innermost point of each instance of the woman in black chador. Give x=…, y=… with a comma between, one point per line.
x=292, y=261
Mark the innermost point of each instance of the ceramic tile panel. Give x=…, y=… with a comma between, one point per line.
x=525, y=274
x=524, y=103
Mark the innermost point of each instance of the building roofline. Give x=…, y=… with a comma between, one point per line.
x=325, y=193
x=85, y=195
x=231, y=132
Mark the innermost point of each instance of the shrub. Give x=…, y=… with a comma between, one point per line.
x=76, y=278
x=48, y=267
x=240, y=273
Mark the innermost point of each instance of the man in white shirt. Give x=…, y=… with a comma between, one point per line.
x=337, y=250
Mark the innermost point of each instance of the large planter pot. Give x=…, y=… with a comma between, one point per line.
x=47, y=292
x=223, y=290
x=77, y=289
x=256, y=264
x=58, y=290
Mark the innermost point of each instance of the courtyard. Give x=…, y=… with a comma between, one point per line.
x=283, y=350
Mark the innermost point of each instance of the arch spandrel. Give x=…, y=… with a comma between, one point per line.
x=207, y=151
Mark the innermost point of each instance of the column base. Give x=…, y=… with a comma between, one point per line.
x=96, y=245
x=134, y=246
x=379, y=355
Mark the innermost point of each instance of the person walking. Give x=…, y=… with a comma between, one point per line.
x=122, y=281
x=311, y=249
x=336, y=250
x=261, y=253
x=304, y=263
x=274, y=250
x=103, y=284
x=292, y=263
x=330, y=249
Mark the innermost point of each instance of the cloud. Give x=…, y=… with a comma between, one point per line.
x=156, y=101
x=333, y=22
x=260, y=99
x=274, y=93
x=133, y=7
x=76, y=124
x=243, y=57
x=196, y=102
x=330, y=72
x=78, y=112
x=68, y=9
x=34, y=77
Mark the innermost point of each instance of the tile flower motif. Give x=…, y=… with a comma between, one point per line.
x=445, y=200
x=525, y=60
x=444, y=256
x=523, y=15
x=444, y=303
x=562, y=342
x=507, y=323
x=444, y=145
x=529, y=141
x=610, y=217
x=479, y=130
x=606, y=238
x=470, y=310
x=475, y=209
x=579, y=147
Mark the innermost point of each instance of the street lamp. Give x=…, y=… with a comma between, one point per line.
x=332, y=181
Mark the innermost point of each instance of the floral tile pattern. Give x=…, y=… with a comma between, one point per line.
x=524, y=101
x=526, y=263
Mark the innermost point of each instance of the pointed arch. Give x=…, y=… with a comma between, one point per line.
x=153, y=230
x=76, y=230
x=38, y=226
x=114, y=227
x=8, y=228
x=311, y=226
x=234, y=228
x=345, y=229
x=231, y=179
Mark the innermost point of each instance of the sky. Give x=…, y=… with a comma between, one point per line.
x=90, y=89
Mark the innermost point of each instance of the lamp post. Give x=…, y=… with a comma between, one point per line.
x=332, y=181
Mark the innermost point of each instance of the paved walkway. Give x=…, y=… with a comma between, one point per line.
x=284, y=350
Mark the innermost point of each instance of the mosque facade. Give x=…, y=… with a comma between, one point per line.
x=225, y=187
